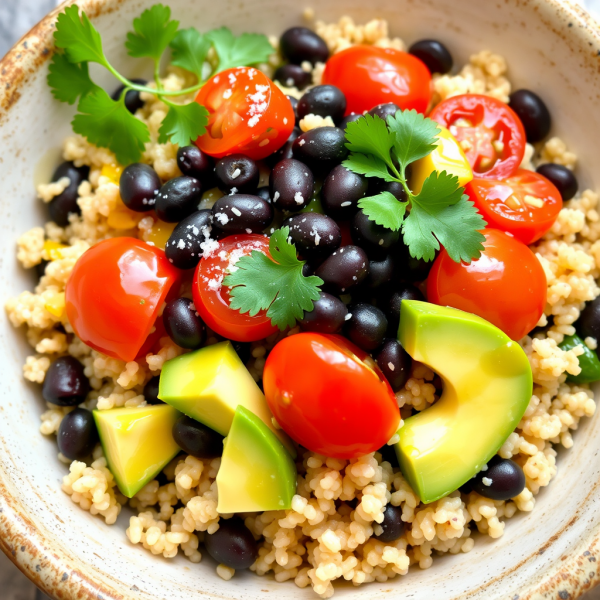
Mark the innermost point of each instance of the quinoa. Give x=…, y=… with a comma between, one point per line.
x=328, y=533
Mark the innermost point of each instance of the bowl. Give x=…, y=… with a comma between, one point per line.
x=551, y=47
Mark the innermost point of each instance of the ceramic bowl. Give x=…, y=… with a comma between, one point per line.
x=551, y=47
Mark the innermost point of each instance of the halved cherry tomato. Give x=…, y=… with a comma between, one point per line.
x=489, y=131
x=249, y=114
x=330, y=396
x=114, y=294
x=525, y=204
x=369, y=75
x=506, y=285
x=212, y=298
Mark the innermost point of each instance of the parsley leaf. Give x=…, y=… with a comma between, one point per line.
x=384, y=209
x=153, y=31
x=260, y=283
x=190, y=48
x=183, y=124
x=370, y=135
x=78, y=37
x=107, y=122
x=68, y=80
x=246, y=49
x=370, y=166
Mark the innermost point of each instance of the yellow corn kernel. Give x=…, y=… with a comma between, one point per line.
x=53, y=250
x=160, y=233
x=56, y=304
x=112, y=172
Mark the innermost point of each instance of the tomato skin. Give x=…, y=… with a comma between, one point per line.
x=492, y=121
x=329, y=395
x=114, y=294
x=213, y=304
x=249, y=114
x=369, y=75
x=506, y=285
x=528, y=223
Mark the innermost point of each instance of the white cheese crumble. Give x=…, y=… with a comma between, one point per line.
x=236, y=212
x=486, y=481
x=298, y=198
x=236, y=174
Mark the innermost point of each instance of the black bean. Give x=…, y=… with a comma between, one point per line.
x=232, y=544
x=349, y=119
x=133, y=101
x=197, y=164
x=264, y=193
x=327, y=316
x=65, y=383
x=184, y=246
x=503, y=479
x=241, y=213
x=151, y=391
x=183, y=324
x=344, y=269
x=533, y=112
x=197, y=439
x=139, y=187
x=243, y=350
x=65, y=203
x=238, y=174
x=341, y=191
x=323, y=100
x=294, y=103
x=394, y=362
x=392, y=524
x=389, y=109
x=315, y=235
x=376, y=186
x=561, y=177
x=285, y=151
x=381, y=273
x=588, y=324
x=406, y=291
x=375, y=239
x=388, y=454
x=300, y=43
x=410, y=268
x=321, y=149
x=291, y=185
x=366, y=326
x=293, y=76
x=308, y=269
x=178, y=198
x=77, y=434
x=434, y=54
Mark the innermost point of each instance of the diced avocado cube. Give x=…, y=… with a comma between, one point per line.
x=209, y=384
x=257, y=473
x=137, y=442
x=487, y=387
x=588, y=361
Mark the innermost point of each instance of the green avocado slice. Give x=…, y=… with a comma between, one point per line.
x=487, y=387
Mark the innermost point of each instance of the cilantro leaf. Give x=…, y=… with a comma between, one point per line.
x=153, y=31
x=260, y=283
x=385, y=209
x=367, y=165
x=246, y=49
x=442, y=214
x=106, y=122
x=69, y=80
x=190, y=48
x=183, y=124
x=78, y=37
x=369, y=135
x=414, y=136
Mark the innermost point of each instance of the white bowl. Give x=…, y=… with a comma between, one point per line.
x=551, y=47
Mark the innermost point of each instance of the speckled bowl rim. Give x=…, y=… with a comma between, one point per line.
x=59, y=575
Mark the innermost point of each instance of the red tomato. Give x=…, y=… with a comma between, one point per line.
x=506, y=285
x=329, y=395
x=489, y=131
x=114, y=294
x=526, y=204
x=249, y=114
x=212, y=299
x=369, y=75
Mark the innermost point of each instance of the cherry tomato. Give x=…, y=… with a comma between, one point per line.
x=525, y=204
x=212, y=298
x=369, y=75
x=506, y=285
x=489, y=131
x=249, y=114
x=114, y=294
x=329, y=395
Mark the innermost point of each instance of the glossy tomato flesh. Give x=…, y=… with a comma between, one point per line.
x=369, y=75
x=506, y=285
x=249, y=114
x=212, y=298
x=330, y=396
x=114, y=294
x=525, y=204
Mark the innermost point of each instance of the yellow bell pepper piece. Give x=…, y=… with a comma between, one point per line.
x=160, y=233
x=112, y=172
x=55, y=305
x=447, y=156
x=53, y=250
x=122, y=218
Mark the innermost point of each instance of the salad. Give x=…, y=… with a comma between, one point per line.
x=321, y=306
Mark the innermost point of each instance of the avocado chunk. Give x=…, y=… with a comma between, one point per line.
x=137, y=442
x=487, y=387
x=208, y=385
x=257, y=473
x=588, y=361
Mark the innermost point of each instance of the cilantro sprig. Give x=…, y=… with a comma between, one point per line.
x=439, y=213
x=277, y=284
x=105, y=121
